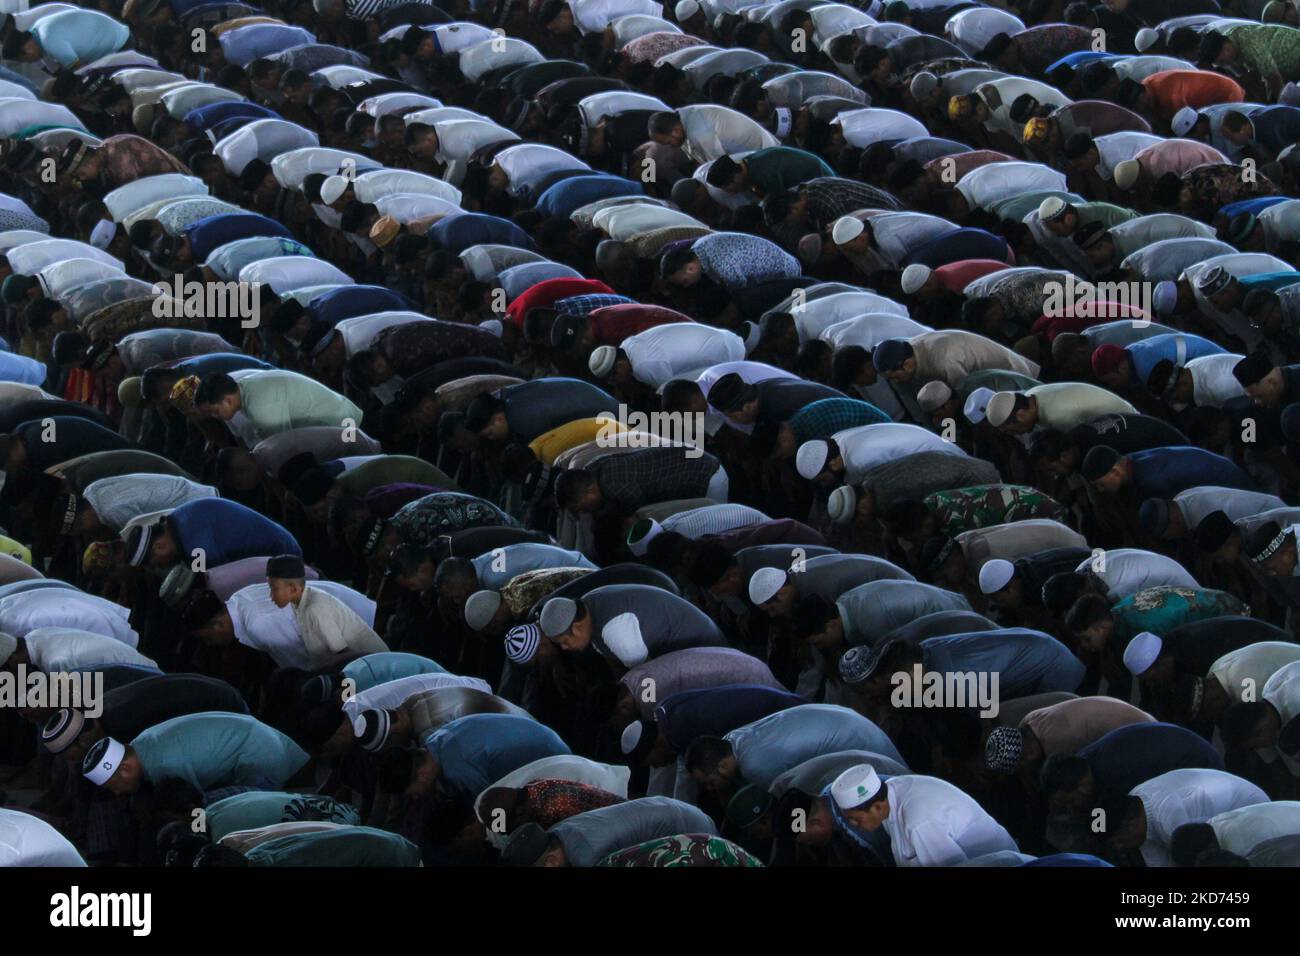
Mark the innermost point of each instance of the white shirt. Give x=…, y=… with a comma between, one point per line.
x=454, y=37
x=1196, y=503
x=261, y=139
x=1240, y=831
x=596, y=107
x=1115, y=148
x=592, y=16
x=867, y=446
x=391, y=694
x=895, y=234
x=30, y=610
x=1126, y=571
x=1249, y=668
x=661, y=353
x=360, y=331
x=1282, y=690
x=875, y=124
x=713, y=131
x=933, y=823
x=1213, y=383
x=812, y=317
x=612, y=779
x=994, y=182
x=329, y=628
x=31, y=257
x=291, y=168
x=1167, y=258
x=460, y=138
x=285, y=273
x=59, y=278
x=973, y=29
x=634, y=219
x=374, y=185
x=17, y=112
x=408, y=207
x=530, y=163
x=727, y=62
x=259, y=624
x=494, y=54
x=26, y=840
x=58, y=649
x=1191, y=795
x=871, y=329
x=120, y=498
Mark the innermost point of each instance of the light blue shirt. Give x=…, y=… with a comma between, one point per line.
x=75, y=37
x=496, y=568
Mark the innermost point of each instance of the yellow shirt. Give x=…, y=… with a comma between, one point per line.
x=15, y=550
x=552, y=444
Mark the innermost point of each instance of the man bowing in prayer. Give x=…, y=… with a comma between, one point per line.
x=929, y=821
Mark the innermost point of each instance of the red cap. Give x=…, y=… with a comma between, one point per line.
x=1107, y=358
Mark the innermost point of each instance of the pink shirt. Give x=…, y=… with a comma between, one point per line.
x=1177, y=156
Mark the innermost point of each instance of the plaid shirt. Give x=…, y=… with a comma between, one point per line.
x=587, y=304
x=651, y=474
x=824, y=418
x=712, y=519
x=830, y=197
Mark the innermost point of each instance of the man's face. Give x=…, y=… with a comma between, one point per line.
x=223, y=409
x=830, y=638
x=904, y=373
x=163, y=552
x=1282, y=562
x=284, y=591
x=1072, y=802
x=421, y=580
x=870, y=817
x=218, y=632
x=1268, y=391
x=1111, y=482
x=744, y=415
x=576, y=638
x=1095, y=638
x=728, y=585
x=425, y=147
x=687, y=275
x=782, y=602
x=497, y=428
x=1117, y=377
x=497, y=179
x=1063, y=225
x=128, y=777
x=1101, y=253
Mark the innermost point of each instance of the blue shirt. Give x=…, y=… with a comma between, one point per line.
x=1164, y=472
x=1255, y=206
x=224, y=362
x=1270, y=280
x=715, y=711
x=227, y=531
x=564, y=197
x=1130, y=755
x=334, y=306
x=21, y=369
x=1148, y=352
x=380, y=668
x=212, y=231
x=243, y=45
x=206, y=117
x=475, y=752
x=495, y=568
x=1078, y=58
x=78, y=37
x=455, y=234
x=1026, y=661
x=957, y=246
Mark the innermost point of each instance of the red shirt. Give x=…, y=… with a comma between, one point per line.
x=955, y=276
x=547, y=293
x=614, y=323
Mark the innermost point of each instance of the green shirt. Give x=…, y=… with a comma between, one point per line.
x=211, y=750
x=345, y=846
x=778, y=168
x=262, y=808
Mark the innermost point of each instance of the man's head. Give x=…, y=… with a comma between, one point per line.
x=1091, y=623
x=113, y=765
x=567, y=624
x=862, y=797
x=286, y=576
